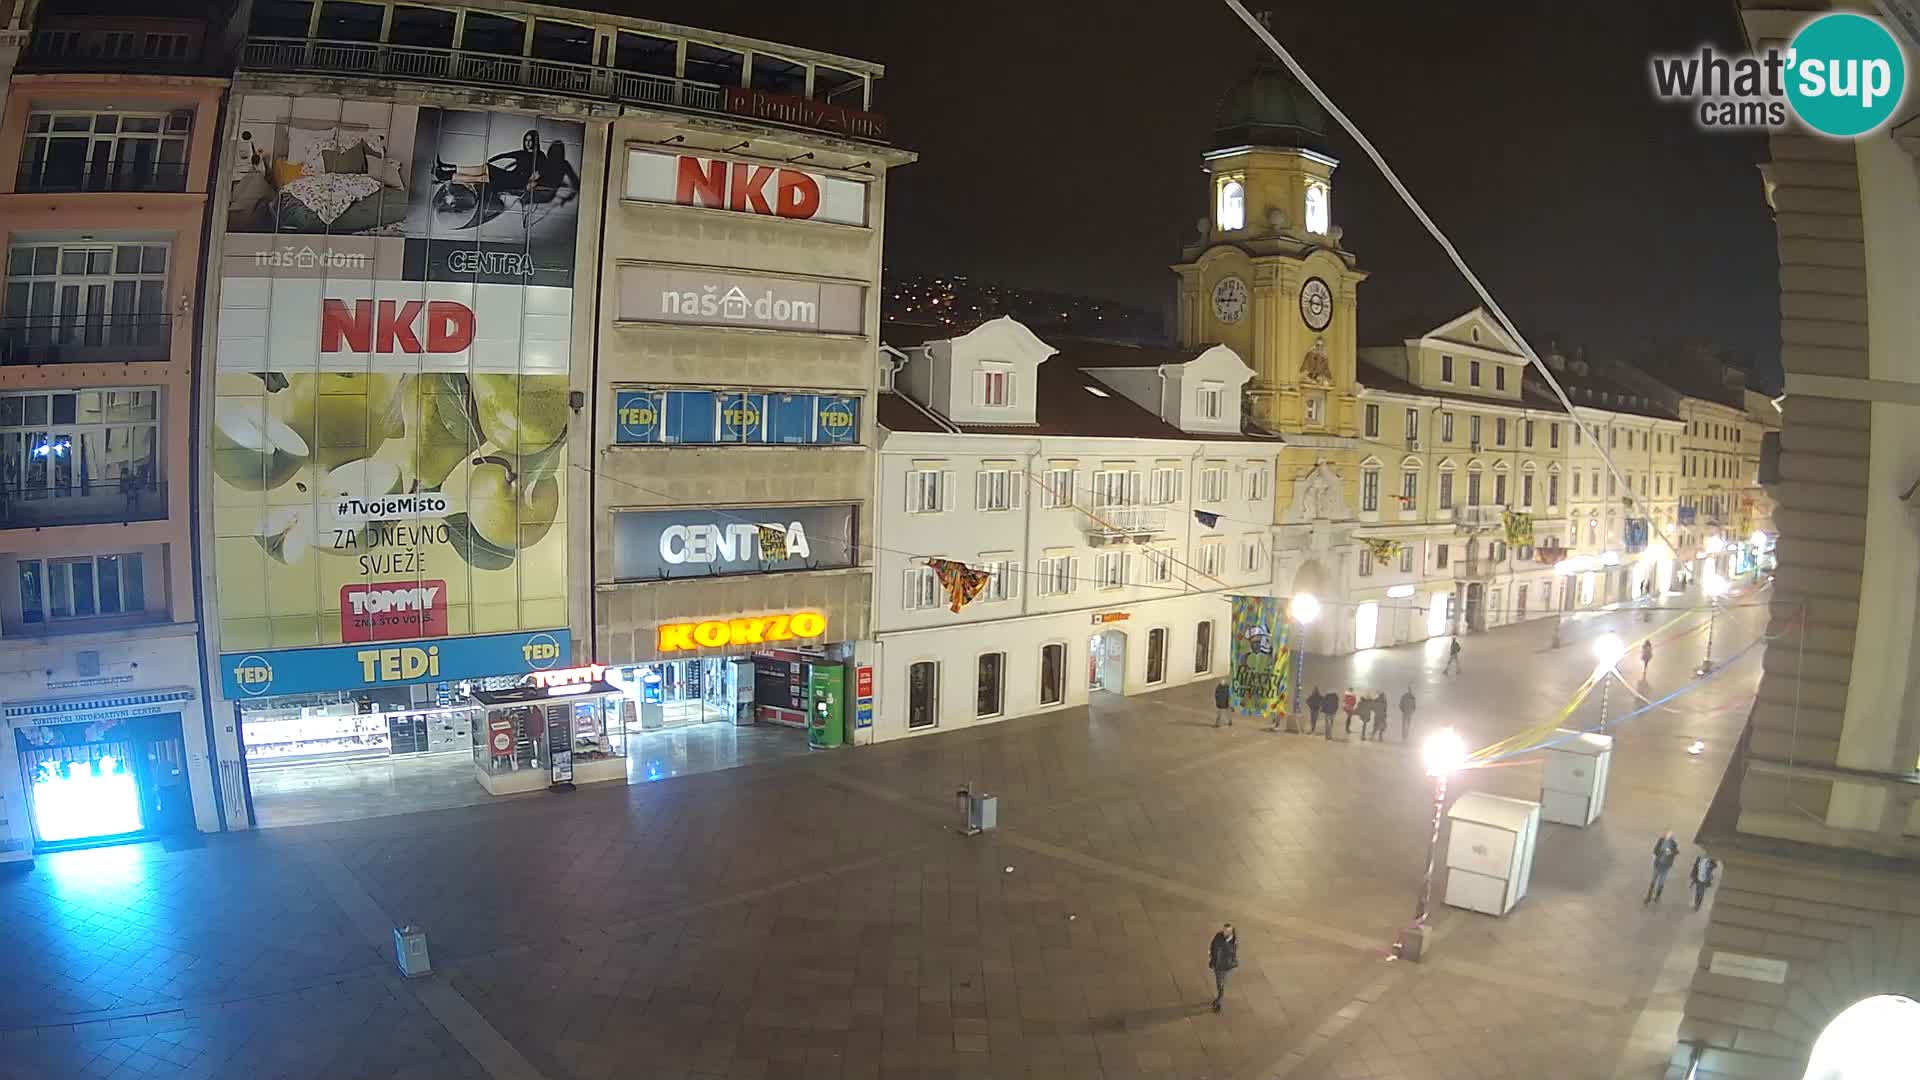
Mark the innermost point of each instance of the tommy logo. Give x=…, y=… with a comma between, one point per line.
x=393, y=611
x=395, y=326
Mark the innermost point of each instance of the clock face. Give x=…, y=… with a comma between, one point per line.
x=1230, y=300
x=1316, y=304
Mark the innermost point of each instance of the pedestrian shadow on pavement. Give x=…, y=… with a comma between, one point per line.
x=1143, y=1019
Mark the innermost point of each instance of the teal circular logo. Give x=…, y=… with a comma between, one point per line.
x=1846, y=74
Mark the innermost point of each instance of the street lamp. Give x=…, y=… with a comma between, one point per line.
x=1715, y=587
x=1302, y=610
x=1442, y=753
x=1607, y=649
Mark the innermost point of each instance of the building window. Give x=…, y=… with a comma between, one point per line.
x=1446, y=369
x=1577, y=429
x=990, y=697
x=106, y=151
x=1446, y=489
x=1446, y=427
x=1593, y=532
x=995, y=387
x=1499, y=431
x=1526, y=434
x=923, y=694
x=1003, y=581
x=1473, y=373
x=1159, y=566
x=927, y=490
x=1208, y=401
x=1256, y=483
x=1553, y=436
x=996, y=489
x=1316, y=405
x=1211, y=558
x=1373, y=421
x=920, y=590
x=1473, y=487
x=1213, y=484
x=1163, y=485
x=1576, y=484
x=1409, y=491
x=1253, y=553
x=1473, y=432
x=1156, y=655
x=1316, y=206
x=78, y=443
x=1406, y=560
x=1499, y=489
x=1413, y=428
x=1055, y=575
x=1203, y=647
x=1113, y=569
x=1613, y=484
x=1369, y=490
x=1231, y=212
x=1613, y=438
x=81, y=588
x=1366, y=563
x=1115, y=487
x=1526, y=490
x=1440, y=556
x=1499, y=377
x=1053, y=673
x=1057, y=489
x=83, y=295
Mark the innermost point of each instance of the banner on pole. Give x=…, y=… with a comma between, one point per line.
x=1262, y=656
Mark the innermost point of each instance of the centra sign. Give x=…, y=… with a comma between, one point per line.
x=752, y=630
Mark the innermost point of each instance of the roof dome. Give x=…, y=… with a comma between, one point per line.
x=1269, y=108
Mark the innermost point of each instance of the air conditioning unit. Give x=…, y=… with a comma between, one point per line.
x=1413, y=444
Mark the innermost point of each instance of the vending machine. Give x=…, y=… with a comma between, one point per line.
x=826, y=705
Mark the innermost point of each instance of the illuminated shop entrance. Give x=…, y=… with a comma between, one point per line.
x=106, y=780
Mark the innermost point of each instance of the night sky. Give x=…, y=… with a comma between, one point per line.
x=1060, y=145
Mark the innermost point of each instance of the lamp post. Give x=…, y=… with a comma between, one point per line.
x=1715, y=587
x=1302, y=610
x=1442, y=753
x=1607, y=649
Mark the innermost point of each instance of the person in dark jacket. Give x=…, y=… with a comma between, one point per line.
x=1701, y=878
x=1664, y=851
x=1313, y=710
x=1406, y=713
x=1453, y=657
x=1222, y=698
x=1223, y=955
x=1379, y=715
x=1329, y=704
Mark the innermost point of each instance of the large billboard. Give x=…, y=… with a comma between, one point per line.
x=651, y=545
x=389, y=436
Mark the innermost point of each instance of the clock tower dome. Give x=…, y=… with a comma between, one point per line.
x=1267, y=275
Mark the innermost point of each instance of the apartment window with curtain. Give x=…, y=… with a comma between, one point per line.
x=990, y=699
x=105, y=151
x=81, y=588
x=72, y=444
x=1373, y=421
x=1053, y=673
x=923, y=694
x=1156, y=655
x=1369, y=490
x=1409, y=491
x=1203, y=647
x=87, y=295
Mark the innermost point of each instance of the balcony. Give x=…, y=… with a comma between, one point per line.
x=1484, y=516
x=106, y=339
x=422, y=63
x=103, y=502
x=1476, y=569
x=1111, y=525
x=60, y=176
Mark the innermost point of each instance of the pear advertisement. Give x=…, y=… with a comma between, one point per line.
x=389, y=432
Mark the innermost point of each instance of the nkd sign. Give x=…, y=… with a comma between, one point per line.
x=745, y=187
x=718, y=298
x=650, y=545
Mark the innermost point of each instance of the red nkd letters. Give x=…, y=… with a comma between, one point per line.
x=394, y=326
x=736, y=185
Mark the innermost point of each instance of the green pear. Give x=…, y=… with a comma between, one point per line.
x=252, y=450
x=341, y=416
x=441, y=427
x=523, y=415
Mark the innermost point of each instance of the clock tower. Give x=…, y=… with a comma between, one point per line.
x=1267, y=275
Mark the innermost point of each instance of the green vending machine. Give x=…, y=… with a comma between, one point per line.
x=826, y=705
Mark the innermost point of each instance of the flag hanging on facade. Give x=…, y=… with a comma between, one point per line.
x=963, y=584
x=1384, y=551
x=773, y=543
x=1204, y=518
x=1261, y=655
x=1519, y=528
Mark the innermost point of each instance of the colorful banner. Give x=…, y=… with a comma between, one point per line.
x=1519, y=528
x=357, y=667
x=389, y=444
x=1261, y=656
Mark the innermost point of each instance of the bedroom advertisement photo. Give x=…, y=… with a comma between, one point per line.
x=390, y=419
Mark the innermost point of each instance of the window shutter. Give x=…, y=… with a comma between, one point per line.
x=944, y=501
x=1016, y=487
x=979, y=388
x=1012, y=570
x=910, y=591
x=982, y=488
x=913, y=492
x=1133, y=489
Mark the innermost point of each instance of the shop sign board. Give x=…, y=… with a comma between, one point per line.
x=744, y=187
x=863, y=696
x=720, y=417
x=749, y=630
x=1101, y=618
x=694, y=297
x=364, y=666
x=390, y=408
x=653, y=545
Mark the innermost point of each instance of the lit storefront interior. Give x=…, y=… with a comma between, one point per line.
x=115, y=771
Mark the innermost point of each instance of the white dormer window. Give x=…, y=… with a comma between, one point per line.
x=1231, y=214
x=1316, y=403
x=1208, y=401
x=995, y=386
x=1317, y=215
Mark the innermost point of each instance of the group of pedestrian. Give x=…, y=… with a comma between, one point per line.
x=1700, y=876
x=1370, y=708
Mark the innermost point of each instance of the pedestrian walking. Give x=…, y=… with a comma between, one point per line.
x=1222, y=698
x=1701, y=878
x=1664, y=851
x=1329, y=704
x=1406, y=713
x=1371, y=718
x=1223, y=955
x=1453, y=657
x=1349, y=704
x=1379, y=715
x=1313, y=710
x=1646, y=653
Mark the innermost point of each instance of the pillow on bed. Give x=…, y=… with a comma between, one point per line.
x=387, y=171
x=305, y=144
x=351, y=160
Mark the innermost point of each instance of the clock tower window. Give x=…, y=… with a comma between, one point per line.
x=1318, y=218
x=1231, y=212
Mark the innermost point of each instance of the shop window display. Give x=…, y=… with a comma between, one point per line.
x=533, y=736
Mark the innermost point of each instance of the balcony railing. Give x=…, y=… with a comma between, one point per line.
x=1125, y=524
x=1484, y=516
x=274, y=54
x=80, y=339
x=36, y=177
x=1475, y=569
x=99, y=502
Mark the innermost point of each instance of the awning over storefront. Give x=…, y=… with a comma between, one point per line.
x=98, y=708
